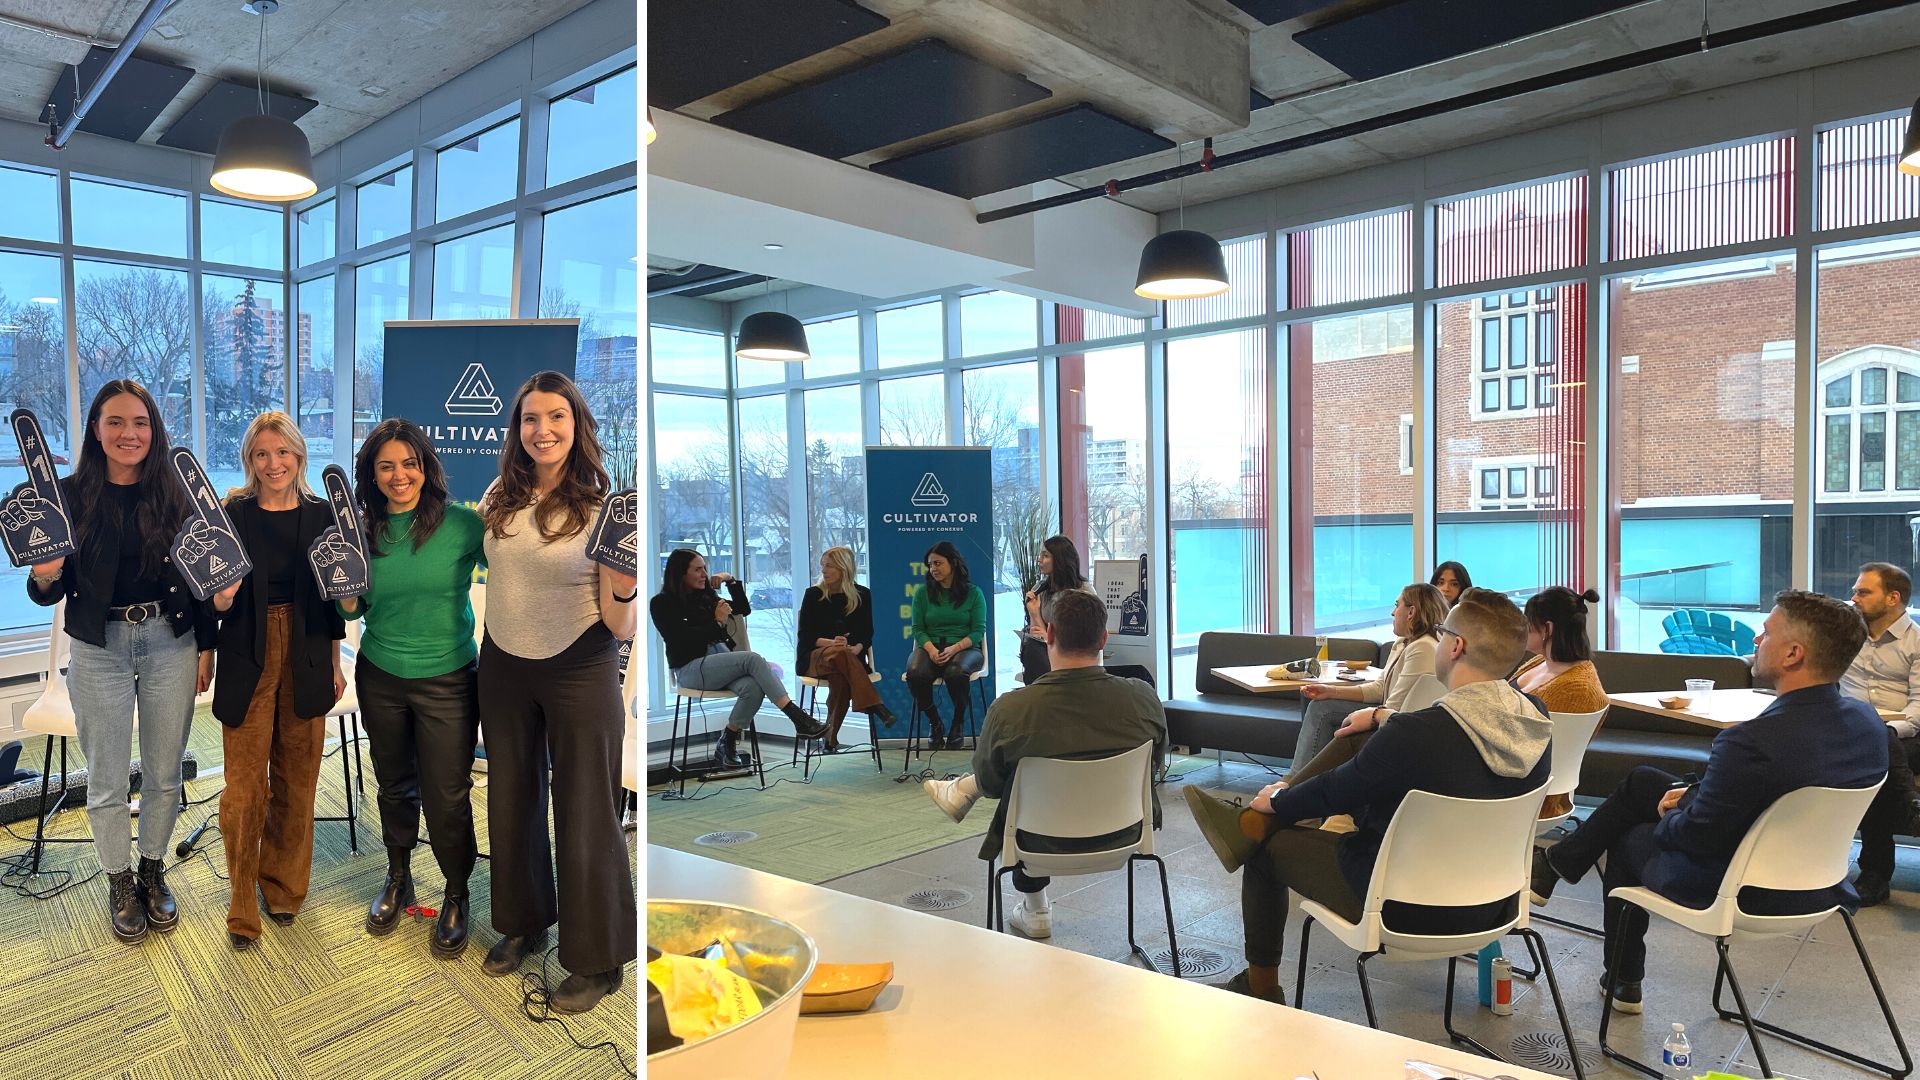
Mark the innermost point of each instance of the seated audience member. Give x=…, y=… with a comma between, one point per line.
x=1678, y=840
x=949, y=623
x=1483, y=740
x=1452, y=580
x=692, y=622
x=1417, y=616
x=1059, y=566
x=835, y=643
x=1886, y=675
x=1075, y=710
x=1561, y=673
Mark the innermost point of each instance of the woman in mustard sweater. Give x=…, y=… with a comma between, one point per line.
x=415, y=670
x=949, y=622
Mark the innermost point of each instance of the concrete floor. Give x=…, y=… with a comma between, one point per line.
x=1812, y=983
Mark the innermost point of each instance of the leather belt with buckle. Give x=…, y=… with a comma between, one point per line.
x=136, y=613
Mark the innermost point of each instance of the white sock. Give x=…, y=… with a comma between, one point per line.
x=1036, y=901
x=968, y=788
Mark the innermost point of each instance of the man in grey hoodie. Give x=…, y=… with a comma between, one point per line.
x=1483, y=740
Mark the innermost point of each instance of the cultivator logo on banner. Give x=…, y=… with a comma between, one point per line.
x=473, y=395
x=929, y=493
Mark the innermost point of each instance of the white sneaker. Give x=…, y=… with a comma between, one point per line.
x=945, y=794
x=1033, y=923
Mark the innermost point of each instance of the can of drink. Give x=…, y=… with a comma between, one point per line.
x=1502, y=986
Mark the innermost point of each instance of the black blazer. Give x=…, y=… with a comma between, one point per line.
x=86, y=584
x=687, y=626
x=822, y=616
x=317, y=626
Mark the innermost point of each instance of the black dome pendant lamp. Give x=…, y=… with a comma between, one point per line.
x=1183, y=264
x=1910, y=149
x=771, y=335
x=263, y=157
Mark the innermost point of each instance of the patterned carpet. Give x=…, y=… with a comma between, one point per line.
x=318, y=999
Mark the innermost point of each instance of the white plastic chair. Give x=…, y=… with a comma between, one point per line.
x=1423, y=860
x=51, y=715
x=1426, y=690
x=1801, y=843
x=913, y=721
x=1572, y=734
x=1067, y=799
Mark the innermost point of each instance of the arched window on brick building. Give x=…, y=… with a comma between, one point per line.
x=1870, y=423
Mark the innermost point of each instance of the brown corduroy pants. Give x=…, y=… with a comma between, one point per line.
x=266, y=812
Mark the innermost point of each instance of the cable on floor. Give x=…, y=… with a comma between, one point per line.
x=535, y=1003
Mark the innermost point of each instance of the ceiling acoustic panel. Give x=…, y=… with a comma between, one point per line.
x=1080, y=138
x=129, y=104
x=198, y=129
x=697, y=48
x=1279, y=11
x=1409, y=33
x=929, y=86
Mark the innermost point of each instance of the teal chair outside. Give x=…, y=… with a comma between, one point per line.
x=1696, y=645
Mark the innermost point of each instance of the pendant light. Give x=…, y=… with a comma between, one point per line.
x=263, y=157
x=771, y=335
x=1183, y=264
x=646, y=125
x=1910, y=150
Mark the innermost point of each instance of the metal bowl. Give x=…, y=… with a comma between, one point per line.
x=778, y=956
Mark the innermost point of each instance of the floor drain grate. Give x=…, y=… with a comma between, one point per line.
x=1547, y=1050
x=1195, y=963
x=937, y=899
x=724, y=839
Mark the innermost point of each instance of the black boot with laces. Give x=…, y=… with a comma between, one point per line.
x=129, y=914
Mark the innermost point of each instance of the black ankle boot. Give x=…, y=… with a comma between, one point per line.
x=151, y=885
x=883, y=716
x=578, y=993
x=129, y=914
x=726, y=752
x=450, y=932
x=937, y=734
x=509, y=953
x=395, y=896
x=804, y=725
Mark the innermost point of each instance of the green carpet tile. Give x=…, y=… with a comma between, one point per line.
x=319, y=999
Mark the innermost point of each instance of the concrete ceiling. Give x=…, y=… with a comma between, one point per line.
x=327, y=50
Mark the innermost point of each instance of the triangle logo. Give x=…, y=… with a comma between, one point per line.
x=929, y=492
x=339, y=575
x=630, y=542
x=473, y=394
x=216, y=564
x=36, y=536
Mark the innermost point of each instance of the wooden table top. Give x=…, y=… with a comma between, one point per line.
x=1054, y=1011
x=1718, y=709
x=1253, y=678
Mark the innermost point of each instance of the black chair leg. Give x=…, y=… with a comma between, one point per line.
x=1606, y=1016
x=1740, y=999
x=1534, y=939
x=993, y=893
x=40, y=812
x=1166, y=897
x=1366, y=991
x=346, y=790
x=1300, y=978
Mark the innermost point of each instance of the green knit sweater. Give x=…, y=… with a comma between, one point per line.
x=419, y=620
x=947, y=622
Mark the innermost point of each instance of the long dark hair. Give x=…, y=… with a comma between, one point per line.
x=673, y=580
x=1459, y=573
x=958, y=588
x=429, y=512
x=583, y=481
x=1066, y=565
x=163, y=501
x=1566, y=611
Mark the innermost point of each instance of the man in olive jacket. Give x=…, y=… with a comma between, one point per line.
x=1076, y=710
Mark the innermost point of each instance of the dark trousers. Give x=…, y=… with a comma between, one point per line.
x=1891, y=812
x=566, y=711
x=422, y=732
x=1034, y=661
x=1306, y=861
x=1622, y=830
x=922, y=672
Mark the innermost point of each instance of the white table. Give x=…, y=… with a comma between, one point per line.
x=1253, y=678
x=1718, y=709
x=1002, y=1002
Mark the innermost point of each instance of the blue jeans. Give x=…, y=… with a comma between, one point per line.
x=141, y=663
x=744, y=673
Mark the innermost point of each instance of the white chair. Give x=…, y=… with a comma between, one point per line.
x=1062, y=799
x=1426, y=690
x=1801, y=843
x=810, y=688
x=976, y=680
x=52, y=715
x=1572, y=733
x=1423, y=861
x=680, y=736
x=348, y=706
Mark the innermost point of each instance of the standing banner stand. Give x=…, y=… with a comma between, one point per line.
x=1132, y=637
x=918, y=496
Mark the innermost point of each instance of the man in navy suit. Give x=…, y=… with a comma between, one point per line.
x=1677, y=839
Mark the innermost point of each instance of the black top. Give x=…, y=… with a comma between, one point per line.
x=314, y=631
x=823, y=616
x=282, y=558
x=122, y=512
x=687, y=626
x=87, y=583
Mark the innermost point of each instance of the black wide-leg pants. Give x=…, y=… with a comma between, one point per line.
x=565, y=709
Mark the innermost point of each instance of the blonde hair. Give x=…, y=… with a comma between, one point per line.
x=277, y=423
x=842, y=560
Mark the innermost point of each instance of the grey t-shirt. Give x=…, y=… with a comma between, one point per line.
x=540, y=596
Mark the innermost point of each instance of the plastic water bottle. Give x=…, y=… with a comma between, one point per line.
x=1676, y=1055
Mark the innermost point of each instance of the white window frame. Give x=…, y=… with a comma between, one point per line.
x=1897, y=361
x=1541, y=377
x=1532, y=468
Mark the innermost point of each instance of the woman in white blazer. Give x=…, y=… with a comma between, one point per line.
x=1332, y=710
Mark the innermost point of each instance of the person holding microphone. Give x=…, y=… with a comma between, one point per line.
x=140, y=640
x=279, y=673
x=550, y=700
x=415, y=671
